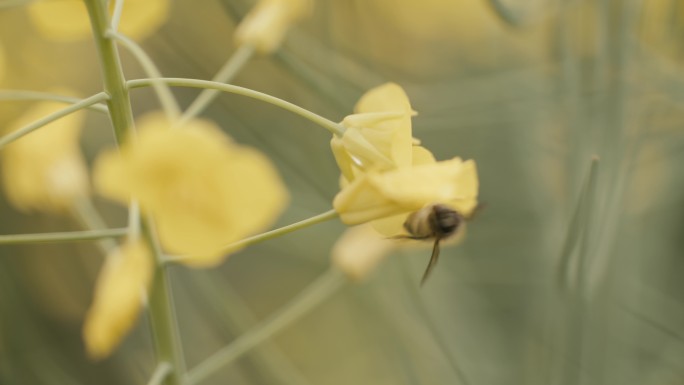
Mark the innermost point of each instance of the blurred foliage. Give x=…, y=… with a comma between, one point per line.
x=530, y=90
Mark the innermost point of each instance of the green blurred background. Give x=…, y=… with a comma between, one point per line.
x=531, y=90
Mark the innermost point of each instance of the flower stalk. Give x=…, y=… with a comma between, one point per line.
x=328, y=124
x=66, y=236
x=85, y=103
x=119, y=102
x=121, y=115
x=275, y=233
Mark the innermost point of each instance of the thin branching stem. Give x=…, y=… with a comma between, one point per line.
x=14, y=135
x=166, y=98
x=331, y=126
x=116, y=15
x=163, y=369
x=24, y=95
x=66, y=236
x=229, y=70
x=86, y=214
x=326, y=216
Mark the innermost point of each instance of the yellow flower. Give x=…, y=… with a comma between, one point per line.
x=266, y=25
x=119, y=292
x=45, y=170
x=392, y=195
x=378, y=135
x=203, y=190
x=67, y=20
x=385, y=174
x=2, y=62
x=359, y=250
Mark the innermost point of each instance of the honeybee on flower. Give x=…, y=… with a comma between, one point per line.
x=395, y=184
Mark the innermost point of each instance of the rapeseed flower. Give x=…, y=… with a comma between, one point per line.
x=266, y=24
x=359, y=250
x=203, y=190
x=119, y=293
x=390, y=196
x=385, y=174
x=45, y=170
x=67, y=20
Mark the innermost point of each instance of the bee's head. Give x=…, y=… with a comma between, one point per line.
x=444, y=221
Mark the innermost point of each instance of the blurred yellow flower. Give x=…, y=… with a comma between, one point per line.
x=359, y=250
x=119, y=292
x=203, y=190
x=2, y=62
x=45, y=170
x=266, y=24
x=378, y=135
x=392, y=195
x=67, y=20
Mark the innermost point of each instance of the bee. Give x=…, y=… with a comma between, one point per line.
x=438, y=222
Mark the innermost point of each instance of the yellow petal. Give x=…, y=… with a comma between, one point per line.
x=362, y=201
x=142, y=18
x=378, y=135
x=368, y=153
x=67, y=20
x=203, y=190
x=45, y=170
x=266, y=24
x=60, y=20
x=359, y=250
x=422, y=155
x=117, y=300
x=377, y=195
x=390, y=226
x=386, y=97
x=453, y=182
x=344, y=161
x=2, y=62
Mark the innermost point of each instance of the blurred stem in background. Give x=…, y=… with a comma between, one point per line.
x=93, y=100
x=224, y=75
x=16, y=95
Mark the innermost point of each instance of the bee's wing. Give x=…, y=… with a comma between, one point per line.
x=432, y=263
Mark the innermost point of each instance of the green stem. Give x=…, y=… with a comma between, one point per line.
x=21, y=95
x=87, y=215
x=163, y=369
x=321, y=289
x=66, y=236
x=14, y=135
x=116, y=15
x=224, y=75
x=331, y=126
x=119, y=102
x=326, y=216
x=162, y=316
x=166, y=98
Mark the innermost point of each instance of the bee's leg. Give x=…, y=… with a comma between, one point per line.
x=432, y=263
